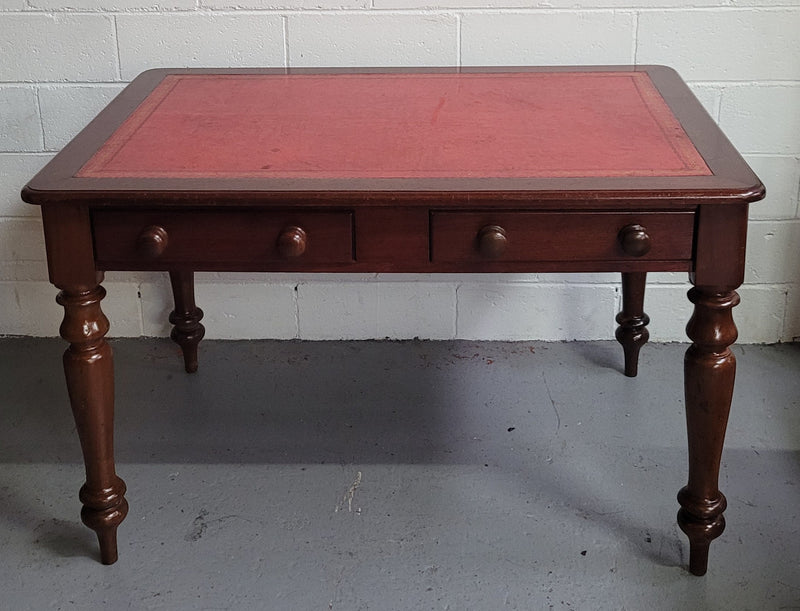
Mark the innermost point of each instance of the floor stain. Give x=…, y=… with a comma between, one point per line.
x=347, y=499
x=199, y=527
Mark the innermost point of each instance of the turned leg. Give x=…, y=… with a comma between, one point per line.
x=186, y=317
x=709, y=369
x=90, y=381
x=632, y=331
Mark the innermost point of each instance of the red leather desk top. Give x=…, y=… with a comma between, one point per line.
x=516, y=125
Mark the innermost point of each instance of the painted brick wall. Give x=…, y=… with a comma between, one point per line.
x=62, y=60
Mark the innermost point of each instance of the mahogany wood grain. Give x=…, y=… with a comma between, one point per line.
x=492, y=241
x=90, y=382
x=709, y=372
x=558, y=236
x=152, y=242
x=383, y=232
x=634, y=240
x=632, y=331
x=731, y=180
x=368, y=239
x=476, y=220
x=238, y=237
x=88, y=367
x=188, y=331
x=710, y=368
x=292, y=242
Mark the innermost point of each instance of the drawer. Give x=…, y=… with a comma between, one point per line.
x=210, y=239
x=509, y=236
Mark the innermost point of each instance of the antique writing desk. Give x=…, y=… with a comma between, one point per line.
x=474, y=170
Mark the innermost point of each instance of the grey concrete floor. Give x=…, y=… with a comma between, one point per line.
x=397, y=476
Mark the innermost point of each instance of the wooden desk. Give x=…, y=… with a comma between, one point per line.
x=476, y=170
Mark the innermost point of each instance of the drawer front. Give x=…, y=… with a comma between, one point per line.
x=468, y=237
x=273, y=239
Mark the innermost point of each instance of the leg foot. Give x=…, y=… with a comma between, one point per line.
x=108, y=546
x=90, y=381
x=701, y=527
x=709, y=369
x=103, y=513
x=632, y=332
x=186, y=317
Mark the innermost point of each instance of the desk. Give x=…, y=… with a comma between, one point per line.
x=471, y=170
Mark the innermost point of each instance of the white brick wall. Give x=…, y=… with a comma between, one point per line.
x=763, y=117
x=66, y=109
x=536, y=38
x=198, y=39
x=744, y=45
x=57, y=47
x=62, y=60
x=372, y=39
x=20, y=124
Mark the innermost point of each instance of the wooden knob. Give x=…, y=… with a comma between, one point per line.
x=152, y=242
x=492, y=241
x=292, y=242
x=634, y=240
